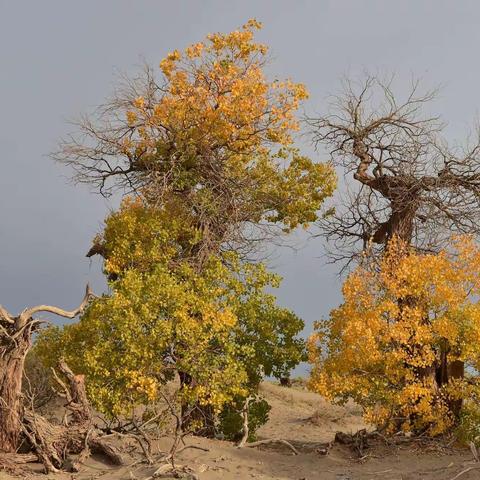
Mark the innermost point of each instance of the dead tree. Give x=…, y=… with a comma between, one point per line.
x=407, y=182
x=77, y=435
x=15, y=341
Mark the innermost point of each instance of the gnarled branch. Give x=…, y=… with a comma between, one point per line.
x=409, y=182
x=5, y=316
x=29, y=312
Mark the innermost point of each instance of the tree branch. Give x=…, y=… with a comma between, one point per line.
x=27, y=313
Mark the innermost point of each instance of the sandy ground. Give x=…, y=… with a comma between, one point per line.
x=308, y=422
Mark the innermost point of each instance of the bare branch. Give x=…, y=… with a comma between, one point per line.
x=409, y=182
x=29, y=312
x=5, y=316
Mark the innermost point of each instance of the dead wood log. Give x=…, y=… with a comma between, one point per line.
x=269, y=441
x=55, y=444
x=64, y=446
x=15, y=463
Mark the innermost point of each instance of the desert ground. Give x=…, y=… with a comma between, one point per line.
x=309, y=423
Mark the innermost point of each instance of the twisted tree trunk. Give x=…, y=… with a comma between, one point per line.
x=77, y=435
x=15, y=342
x=12, y=360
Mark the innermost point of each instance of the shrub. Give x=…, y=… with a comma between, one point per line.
x=231, y=418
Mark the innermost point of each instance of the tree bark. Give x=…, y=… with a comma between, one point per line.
x=456, y=369
x=78, y=436
x=15, y=342
x=12, y=360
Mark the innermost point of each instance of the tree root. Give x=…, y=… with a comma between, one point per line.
x=14, y=463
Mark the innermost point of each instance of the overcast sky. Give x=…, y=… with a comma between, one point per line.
x=59, y=59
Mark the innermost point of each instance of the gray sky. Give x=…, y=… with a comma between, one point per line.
x=59, y=58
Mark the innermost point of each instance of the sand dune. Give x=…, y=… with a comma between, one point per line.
x=308, y=422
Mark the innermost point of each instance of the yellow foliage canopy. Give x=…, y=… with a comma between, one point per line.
x=165, y=317
x=401, y=323
x=213, y=131
x=217, y=97
x=223, y=133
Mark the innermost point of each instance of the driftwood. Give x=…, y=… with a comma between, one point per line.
x=15, y=463
x=167, y=471
x=269, y=441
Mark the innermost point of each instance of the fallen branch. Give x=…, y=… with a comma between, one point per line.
x=19, y=458
x=168, y=470
x=145, y=449
x=13, y=463
x=196, y=447
x=271, y=440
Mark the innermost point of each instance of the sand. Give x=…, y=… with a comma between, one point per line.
x=309, y=423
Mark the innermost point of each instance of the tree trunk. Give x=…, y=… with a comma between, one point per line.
x=399, y=224
x=456, y=370
x=197, y=418
x=53, y=443
x=285, y=381
x=12, y=360
x=15, y=342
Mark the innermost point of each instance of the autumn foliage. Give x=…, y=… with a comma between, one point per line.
x=399, y=342
x=164, y=318
x=206, y=160
x=207, y=155
x=212, y=132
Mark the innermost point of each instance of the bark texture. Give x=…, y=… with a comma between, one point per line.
x=19, y=425
x=12, y=360
x=66, y=446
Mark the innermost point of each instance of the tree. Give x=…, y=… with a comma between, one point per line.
x=210, y=147
x=410, y=184
x=385, y=346
x=215, y=329
x=16, y=333
x=215, y=134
